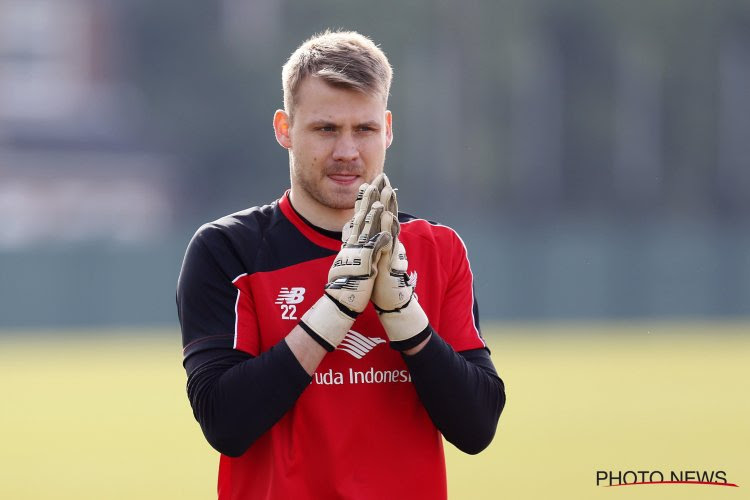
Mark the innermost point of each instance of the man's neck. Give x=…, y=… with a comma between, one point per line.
x=324, y=217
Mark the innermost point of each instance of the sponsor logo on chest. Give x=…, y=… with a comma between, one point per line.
x=359, y=346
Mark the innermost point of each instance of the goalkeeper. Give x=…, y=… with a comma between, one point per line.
x=325, y=363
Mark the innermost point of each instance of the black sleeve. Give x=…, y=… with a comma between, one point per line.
x=237, y=397
x=461, y=392
x=205, y=294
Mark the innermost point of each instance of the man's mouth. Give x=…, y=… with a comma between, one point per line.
x=344, y=179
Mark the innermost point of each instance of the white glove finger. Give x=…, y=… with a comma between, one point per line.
x=399, y=262
x=350, y=234
x=369, y=195
x=389, y=222
x=360, y=195
x=388, y=199
x=348, y=230
x=386, y=221
x=380, y=181
x=380, y=243
x=384, y=260
x=372, y=223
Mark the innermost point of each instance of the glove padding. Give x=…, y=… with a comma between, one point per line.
x=393, y=295
x=352, y=276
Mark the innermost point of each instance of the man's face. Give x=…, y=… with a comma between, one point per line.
x=338, y=139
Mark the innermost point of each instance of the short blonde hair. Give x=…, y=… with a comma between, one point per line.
x=344, y=59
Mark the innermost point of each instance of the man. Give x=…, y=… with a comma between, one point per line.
x=321, y=370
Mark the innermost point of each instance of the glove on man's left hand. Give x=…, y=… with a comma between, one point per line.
x=393, y=296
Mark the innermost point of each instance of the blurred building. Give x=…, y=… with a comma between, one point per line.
x=71, y=168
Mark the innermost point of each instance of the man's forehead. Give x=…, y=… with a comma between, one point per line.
x=320, y=100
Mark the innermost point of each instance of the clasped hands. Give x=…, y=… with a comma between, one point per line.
x=371, y=266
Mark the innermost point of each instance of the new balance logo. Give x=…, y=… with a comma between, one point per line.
x=358, y=345
x=287, y=298
x=293, y=295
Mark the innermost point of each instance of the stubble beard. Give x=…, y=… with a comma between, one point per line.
x=342, y=198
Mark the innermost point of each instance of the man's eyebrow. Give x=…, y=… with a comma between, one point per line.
x=370, y=123
x=322, y=123
x=329, y=123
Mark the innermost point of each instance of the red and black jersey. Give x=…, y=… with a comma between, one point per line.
x=359, y=429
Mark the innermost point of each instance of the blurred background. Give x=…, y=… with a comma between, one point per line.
x=594, y=155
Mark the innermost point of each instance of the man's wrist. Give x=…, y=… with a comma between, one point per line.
x=407, y=327
x=410, y=343
x=326, y=322
x=418, y=348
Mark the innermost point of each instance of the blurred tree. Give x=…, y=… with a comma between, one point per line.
x=529, y=107
x=205, y=103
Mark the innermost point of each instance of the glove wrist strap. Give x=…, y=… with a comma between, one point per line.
x=342, y=307
x=405, y=324
x=317, y=338
x=397, y=309
x=404, y=345
x=326, y=322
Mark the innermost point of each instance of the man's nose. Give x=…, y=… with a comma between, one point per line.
x=345, y=148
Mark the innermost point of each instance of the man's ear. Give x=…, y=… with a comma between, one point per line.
x=388, y=128
x=281, y=128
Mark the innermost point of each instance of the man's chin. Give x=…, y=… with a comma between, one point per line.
x=341, y=197
x=341, y=203
x=330, y=194
x=337, y=201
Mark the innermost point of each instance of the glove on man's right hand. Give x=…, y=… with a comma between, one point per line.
x=352, y=276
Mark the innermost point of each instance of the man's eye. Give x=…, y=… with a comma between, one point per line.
x=326, y=128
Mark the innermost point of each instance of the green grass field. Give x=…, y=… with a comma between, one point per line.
x=106, y=416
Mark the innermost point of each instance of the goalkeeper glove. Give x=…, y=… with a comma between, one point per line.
x=393, y=295
x=352, y=276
